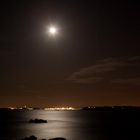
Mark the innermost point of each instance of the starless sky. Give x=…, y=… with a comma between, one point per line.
x=93, y=60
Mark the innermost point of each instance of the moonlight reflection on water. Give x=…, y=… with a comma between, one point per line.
x=72, y=125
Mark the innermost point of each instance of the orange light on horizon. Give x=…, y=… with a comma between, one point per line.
x=60, y=108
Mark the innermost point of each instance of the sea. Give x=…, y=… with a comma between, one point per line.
x=72, y=125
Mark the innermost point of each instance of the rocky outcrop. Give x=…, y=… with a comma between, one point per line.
x=58, y=138
x=30, y=138
x=37, y=121
x=35, y=138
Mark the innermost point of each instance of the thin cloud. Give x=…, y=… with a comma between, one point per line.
x=109, y=69
x=132, y=81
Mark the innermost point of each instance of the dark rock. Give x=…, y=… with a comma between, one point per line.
x=30, y=138
x=59, y=138
x=38, y=121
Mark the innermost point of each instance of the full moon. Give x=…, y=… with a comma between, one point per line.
x=52, y=30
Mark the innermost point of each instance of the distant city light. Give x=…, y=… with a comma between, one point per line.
x=12, y=108
x=60, y=108
x=52, y=108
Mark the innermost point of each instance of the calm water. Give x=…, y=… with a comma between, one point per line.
x=73, y=125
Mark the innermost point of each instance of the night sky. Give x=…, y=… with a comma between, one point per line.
x=93, y=60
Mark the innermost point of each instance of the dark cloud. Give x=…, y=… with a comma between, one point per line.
x=132, y=81
x=112, y=70
x=85, y=80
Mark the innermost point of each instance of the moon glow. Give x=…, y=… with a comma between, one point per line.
x=52, y=30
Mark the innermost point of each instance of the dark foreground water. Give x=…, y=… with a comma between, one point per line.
x=73, y=125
